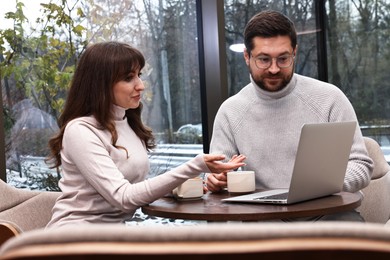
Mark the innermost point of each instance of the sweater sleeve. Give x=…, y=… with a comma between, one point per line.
x=151, y=189
x=332, y=105
x=360, y=165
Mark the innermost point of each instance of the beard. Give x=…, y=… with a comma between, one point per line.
x=272, y=82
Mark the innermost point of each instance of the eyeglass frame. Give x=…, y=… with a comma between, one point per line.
x=272, y=60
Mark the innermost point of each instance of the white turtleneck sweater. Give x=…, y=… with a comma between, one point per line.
x=265, y=127
x=100, y=184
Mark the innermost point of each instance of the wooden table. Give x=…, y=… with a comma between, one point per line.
x=211, y=208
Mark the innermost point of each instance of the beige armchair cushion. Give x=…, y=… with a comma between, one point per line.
x=25, y=208
x=376, y=203
x=336, y=240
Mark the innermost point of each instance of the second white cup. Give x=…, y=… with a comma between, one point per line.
x=241, y=181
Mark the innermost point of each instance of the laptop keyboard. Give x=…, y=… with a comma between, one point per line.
x=279, y=196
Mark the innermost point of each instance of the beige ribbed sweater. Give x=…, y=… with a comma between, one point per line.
x=266, y=127
x=100, y=184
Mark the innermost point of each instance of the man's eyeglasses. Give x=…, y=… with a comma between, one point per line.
x=283, y=61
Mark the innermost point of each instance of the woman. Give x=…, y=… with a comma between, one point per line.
x=102, y=144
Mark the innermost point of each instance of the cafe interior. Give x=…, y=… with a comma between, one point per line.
x=194, y=55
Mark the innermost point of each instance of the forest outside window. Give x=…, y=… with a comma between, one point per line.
x=38, y=58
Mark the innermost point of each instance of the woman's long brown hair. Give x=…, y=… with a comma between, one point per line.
x=91, y=93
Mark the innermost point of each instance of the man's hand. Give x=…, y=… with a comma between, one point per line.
x=217, y=181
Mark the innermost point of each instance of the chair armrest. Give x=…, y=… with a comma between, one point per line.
x=7, y=231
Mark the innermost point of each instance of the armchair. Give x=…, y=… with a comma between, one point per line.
x=376, y=203
x=336, y=241
x=25, y=209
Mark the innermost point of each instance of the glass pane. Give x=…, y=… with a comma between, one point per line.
x=358, y=61
x=35, y=84
x=238, y=13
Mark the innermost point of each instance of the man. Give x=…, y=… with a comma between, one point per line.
x=263, y=121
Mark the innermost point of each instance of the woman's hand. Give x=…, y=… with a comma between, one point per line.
x=217, y=180
x=213, y=162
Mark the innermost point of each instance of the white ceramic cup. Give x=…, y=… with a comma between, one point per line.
x=190, y=189
x=241, y=181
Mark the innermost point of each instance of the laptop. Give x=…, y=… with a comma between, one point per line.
x=319, y=168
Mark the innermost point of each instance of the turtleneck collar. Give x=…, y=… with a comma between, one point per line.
x=263, y=94
x=118, y=112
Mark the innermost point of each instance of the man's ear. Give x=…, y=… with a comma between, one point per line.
x=246, y=57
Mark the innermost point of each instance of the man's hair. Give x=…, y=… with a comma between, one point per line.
x=269, y=24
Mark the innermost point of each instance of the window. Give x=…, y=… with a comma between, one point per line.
x=38, y=72
x=190, y=68
x=358, y=44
